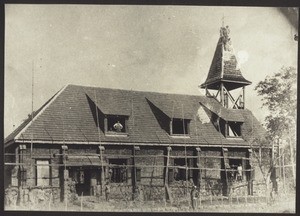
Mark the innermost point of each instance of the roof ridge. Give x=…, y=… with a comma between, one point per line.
x=127, y=90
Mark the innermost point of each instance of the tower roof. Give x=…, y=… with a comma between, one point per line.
x=224, y=67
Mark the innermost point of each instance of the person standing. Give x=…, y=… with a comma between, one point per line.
x=194, y=196
x=107, y=191
x=239, y=172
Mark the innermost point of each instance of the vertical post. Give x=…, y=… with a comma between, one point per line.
x=244, y=97
x=222, y=94
x=198, y=149
x=167, y=174
x=32, y=96
x=23, y=177
x=167, y=165
x=105, y=124
x=171, y=127
x=102, y=177
x=66, y=174
x=134, y=171
x=135, y=148
x=32, y=161
x=226, y=102
x=251, y=174
x=226, y=164
x=16, y=170
x=22, y=172
x=226, y=129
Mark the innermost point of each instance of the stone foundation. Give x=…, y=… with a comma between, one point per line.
x=180, y=188
x=31, y=196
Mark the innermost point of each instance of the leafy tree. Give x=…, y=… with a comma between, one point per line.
x=279, y=95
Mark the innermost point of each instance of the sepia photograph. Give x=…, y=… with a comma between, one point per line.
x=150, y=108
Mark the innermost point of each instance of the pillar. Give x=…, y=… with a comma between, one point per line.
x=227, y=184
x=22, y=174
x=251, y=173
x=65, y=174
x=243, y=107
x=102, y=173
x=199, y=177
x=134, y=178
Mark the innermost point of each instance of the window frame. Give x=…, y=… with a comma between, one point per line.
x=185, y=133
x=182, y=174
x=117, y=170
x=112, y=132
x=228, y=126
x=37, y=179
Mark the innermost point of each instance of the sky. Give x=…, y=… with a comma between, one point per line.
x=165, y=49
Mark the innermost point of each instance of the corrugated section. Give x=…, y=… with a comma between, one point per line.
x=214, y=106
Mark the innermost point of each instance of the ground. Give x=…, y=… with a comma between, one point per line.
x=283, y=204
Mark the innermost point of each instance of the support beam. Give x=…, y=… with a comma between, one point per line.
x=231, y=98
x=167, y=164
x=226, y=164
x=198, y=149
x=134, y=150
x=222, y=94
x=217, y=93
x=22, y=169
x=244, y=97
x=251, y=172
x=169, y=196
x=102, y=174
x=65, y=174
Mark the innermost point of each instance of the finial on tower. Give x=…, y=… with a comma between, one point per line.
x=224, y=75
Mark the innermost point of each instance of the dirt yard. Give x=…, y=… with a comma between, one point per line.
x=284, y=204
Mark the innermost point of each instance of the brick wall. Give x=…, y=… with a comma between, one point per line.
x=151, y=175
x=152, y=178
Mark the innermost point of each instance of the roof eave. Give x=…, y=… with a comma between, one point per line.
x=133, y=143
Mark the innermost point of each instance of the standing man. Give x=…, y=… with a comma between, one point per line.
x=194, y=196
x=107, y=191
x=239, y=172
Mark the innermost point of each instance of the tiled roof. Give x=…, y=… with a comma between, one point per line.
x=70, y=116
x=112, y=103
x=25, y=122
x=224, y=67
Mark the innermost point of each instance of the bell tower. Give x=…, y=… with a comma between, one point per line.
x=224, y=74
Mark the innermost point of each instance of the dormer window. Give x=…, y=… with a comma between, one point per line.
x=234, y=129
x=229, y=129
x=115, y=124
x=179, y=126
